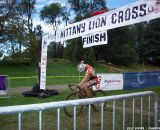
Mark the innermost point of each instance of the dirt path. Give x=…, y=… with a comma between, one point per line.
x=19, y=90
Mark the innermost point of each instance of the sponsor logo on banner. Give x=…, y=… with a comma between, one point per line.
x=141, y=78
x=94, y=39
x=109, y=82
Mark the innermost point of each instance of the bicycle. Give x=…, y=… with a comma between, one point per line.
x=78, y=94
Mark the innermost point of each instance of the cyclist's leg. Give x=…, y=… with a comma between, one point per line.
x=86, y=87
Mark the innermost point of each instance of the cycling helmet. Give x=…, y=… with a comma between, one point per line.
x=81, y=67
x=109, y=63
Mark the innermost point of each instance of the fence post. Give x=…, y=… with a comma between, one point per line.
x=156, y=111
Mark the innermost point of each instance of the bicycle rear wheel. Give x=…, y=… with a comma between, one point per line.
x=97, y=106
x=69, y=111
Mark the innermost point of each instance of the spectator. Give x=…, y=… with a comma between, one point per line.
x=110, y=67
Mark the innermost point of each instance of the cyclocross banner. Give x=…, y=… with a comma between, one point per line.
x=142, y=10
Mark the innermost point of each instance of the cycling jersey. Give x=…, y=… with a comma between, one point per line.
x=90, y=78
x=90, y=71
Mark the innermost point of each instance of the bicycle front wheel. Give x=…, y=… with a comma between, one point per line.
x=97, y=106
x=69, y=111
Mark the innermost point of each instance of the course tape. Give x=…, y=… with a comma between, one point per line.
x=22, y=77
x=30, y=77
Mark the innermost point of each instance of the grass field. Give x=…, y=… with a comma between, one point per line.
x=22, y=76
x=25, y=76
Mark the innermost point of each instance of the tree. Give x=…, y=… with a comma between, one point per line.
x=7, y=13
x=147, y=42
x=55, y=50
x=74, y=51
x=152, y=42
x=54, y=14
x=86, y=8
x=27, y=9
x=65, y=15
x=51, y=14
x=38, y=32
x=139, y=30
x=1, y=53
x=120, y=49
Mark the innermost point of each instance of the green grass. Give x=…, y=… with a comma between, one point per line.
x=27, y=75
x=21, y=100
x=54, y=68
x=18, y=99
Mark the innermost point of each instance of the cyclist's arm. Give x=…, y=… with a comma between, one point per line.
x=85, y=79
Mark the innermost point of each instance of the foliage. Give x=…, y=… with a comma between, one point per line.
x=1, y=53
x=148, y=42
x=152, y=45
x=33, y=49
x=120, y=48
x=51, y=14
x=27, y=9
x=75, y=52
x=16, y=62
x=16, y=26
x=140, y=30
x=83, y=8
x=8, y=15
x=55, y=50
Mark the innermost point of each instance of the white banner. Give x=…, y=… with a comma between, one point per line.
x=142, y=10
x=43, y=63
x=94, y=39
x=109, y=82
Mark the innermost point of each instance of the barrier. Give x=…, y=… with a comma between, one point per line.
x=75, y=103
x=137, y=80
x=4, y=87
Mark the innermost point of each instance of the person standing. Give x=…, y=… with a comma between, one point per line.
x=110, y=67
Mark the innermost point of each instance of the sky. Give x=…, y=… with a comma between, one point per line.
x=41, y=3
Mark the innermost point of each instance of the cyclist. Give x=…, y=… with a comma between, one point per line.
x=89, y=79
